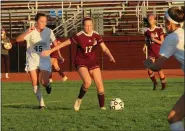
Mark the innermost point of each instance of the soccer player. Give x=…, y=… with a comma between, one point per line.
x=4, y=53
x=173, y=45
x=87, y=42
x=154, y=38
x=38, y=38
x=56, y=57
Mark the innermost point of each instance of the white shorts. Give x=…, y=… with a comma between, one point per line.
x=34, y=61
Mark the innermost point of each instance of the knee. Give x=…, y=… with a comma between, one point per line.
x=87, y=83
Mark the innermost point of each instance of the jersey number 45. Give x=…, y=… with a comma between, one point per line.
x=38, y=48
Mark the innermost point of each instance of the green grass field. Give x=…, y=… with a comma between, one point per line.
x=144, y=109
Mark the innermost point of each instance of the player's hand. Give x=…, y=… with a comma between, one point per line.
x=148, y=63
x=152, y=35
x=46, y=53
x=31, y=29
x=144, y=49
x=112, y=60
x=61, y=59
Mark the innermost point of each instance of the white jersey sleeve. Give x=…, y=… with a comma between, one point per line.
x=28, y=36
x=168, y=47
x=52, y=36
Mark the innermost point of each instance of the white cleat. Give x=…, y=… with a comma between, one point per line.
x=103, y=108
x=64, y=78
x=77, y=104
x=50, y=80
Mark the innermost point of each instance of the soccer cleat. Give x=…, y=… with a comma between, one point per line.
x=77, y=104
x=50, y=80
x=155, y=86
x=64, y=78
x=163, y=88
x=48, y=88
x=42, y=107
x=103, y=108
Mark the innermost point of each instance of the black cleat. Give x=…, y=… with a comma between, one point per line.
x=163, y=88
x=155, y=86
x=48, y=89
x=41, y=107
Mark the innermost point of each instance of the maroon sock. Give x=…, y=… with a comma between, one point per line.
x=83, y=90
x=50, y=77
x=101, y=99
x=163, y=82
x=61, y=73
x=152, y=77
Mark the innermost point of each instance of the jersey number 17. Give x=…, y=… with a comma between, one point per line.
x=88, y=49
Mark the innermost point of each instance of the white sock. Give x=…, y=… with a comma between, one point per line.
x=6, y=75
x=38, y=94
x=177, y=126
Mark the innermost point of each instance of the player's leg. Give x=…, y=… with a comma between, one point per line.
x=163, y=79
x=152, y=76
x=34, y=75
x=59, y=70
x=96, y=75
x=44, y=80
x=50, y=77
x=6, y=60
x=86, y=78
x=176, y=115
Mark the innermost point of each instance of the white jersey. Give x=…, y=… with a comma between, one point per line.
x=36, y=43
x=174, y=45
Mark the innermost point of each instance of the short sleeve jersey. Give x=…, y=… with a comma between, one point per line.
x=174, y=45
x=86, y=45
x=157, y=32
x=39, y=41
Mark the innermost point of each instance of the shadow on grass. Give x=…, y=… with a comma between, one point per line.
x=21, y=106
x=36, y=107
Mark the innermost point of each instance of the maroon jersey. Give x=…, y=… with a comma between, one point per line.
x=86, y=47
x=54, y=54
x=153, y=47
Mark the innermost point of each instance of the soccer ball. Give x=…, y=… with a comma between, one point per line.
x=116, y=104
x=7, y=45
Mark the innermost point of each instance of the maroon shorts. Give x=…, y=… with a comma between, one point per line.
x=90, y=65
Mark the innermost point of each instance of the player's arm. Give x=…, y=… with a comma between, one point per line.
x=59, y=46
x=166, y=51
x=144, y=48
x=59, y=53
x=21, y=37
x=157, y=65
x=107, y=52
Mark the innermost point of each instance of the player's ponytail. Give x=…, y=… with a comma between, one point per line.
x=176, y=15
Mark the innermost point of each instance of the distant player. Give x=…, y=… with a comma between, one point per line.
x=154, y=38
x=87, y=42
x=38, y=38
x=56, y=57
x=4, y=53
x=173, y=45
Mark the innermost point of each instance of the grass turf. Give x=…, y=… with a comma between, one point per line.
x=144, y=109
